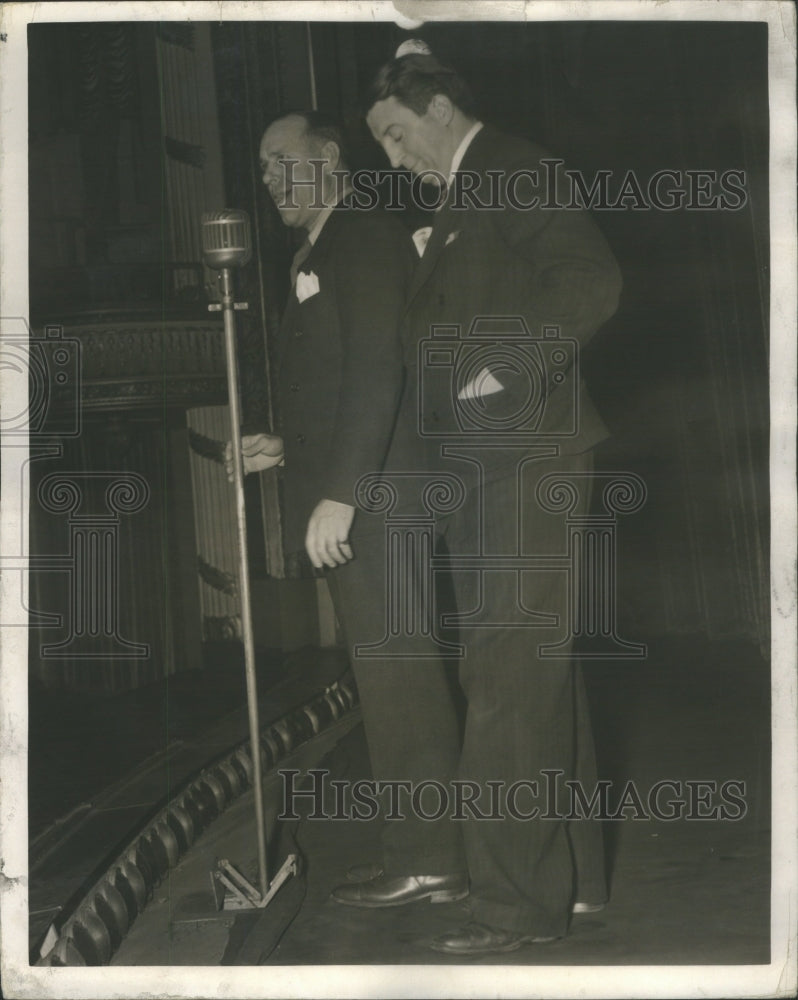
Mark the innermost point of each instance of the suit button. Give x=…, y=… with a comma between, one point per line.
x=294, y=387
x=298, y=333
x=300, y=438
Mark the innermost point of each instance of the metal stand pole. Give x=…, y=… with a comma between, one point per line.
x=228, y=307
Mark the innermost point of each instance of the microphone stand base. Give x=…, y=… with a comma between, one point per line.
x=234, y=892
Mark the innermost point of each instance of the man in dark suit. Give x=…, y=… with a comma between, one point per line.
x=501, y=247
x=339, y=380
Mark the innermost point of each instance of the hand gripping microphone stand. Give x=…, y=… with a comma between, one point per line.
x=225, y=245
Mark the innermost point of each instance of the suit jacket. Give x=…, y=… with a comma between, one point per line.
x=551, y=267
x=339, y=357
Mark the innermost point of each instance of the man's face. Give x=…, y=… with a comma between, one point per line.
x=285, y=141
x=417, y=143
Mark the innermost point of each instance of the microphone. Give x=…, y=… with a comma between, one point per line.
x=226, y=239
x=226, y=243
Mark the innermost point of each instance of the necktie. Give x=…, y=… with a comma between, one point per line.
x=299, y=259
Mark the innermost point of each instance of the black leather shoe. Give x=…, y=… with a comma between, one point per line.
x=479, y=939
x=386, y=891
x=373, y=869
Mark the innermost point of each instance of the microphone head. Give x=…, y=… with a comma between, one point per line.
x=226, y=239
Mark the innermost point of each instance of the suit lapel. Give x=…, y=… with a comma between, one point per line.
x=316, y=258
x=320, y=248
x=435, y=244
x=443, y=225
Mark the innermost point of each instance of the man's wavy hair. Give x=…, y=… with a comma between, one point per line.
x=415, y=79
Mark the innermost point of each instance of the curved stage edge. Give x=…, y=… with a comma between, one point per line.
x=92, y=928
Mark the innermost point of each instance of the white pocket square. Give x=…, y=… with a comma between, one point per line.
x=484, y=384
x=306, y=286
x=452, y=237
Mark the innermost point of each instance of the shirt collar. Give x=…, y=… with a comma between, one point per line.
x=323, y=216
x=460, y=152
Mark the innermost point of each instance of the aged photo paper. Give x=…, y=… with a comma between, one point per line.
x=503, y=573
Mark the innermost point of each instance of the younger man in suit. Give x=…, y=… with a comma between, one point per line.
x=501, y=247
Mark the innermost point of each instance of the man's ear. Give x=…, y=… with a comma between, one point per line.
x=332, y=154
x=441, y=109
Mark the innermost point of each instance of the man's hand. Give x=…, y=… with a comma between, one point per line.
x=259, y=451
x=327, y=538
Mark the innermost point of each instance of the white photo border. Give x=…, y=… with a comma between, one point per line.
x=776, y=979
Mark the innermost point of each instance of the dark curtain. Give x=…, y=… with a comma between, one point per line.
x=681, y=371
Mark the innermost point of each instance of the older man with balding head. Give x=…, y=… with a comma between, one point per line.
x=339, y=382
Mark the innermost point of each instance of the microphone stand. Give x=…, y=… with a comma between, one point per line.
x=244, y=894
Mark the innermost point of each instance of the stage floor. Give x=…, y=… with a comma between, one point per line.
x=683, y=892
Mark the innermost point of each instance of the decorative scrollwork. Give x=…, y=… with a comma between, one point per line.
x=444, y=494
x=440, y=493
x=128, y=494
x=624, y=493
x=60, y=493
x=621, y=492
x=63, y=492
x=557, y=494
x=375, y=494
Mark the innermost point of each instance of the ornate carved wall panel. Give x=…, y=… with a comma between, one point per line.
x=215, y=520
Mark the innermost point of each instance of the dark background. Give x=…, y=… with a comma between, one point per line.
x=123, y=159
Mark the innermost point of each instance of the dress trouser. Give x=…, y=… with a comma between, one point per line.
x=409, y=715
x=526, y=714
